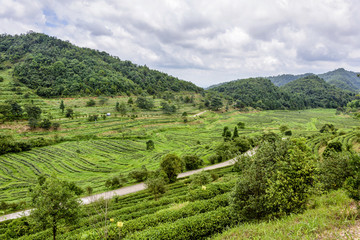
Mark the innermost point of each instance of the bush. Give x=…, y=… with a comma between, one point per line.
x=92, y=118
x=200, y=179
x=192, y=162
x=196, y=227
x=45, y=124
x=241, y=125
x=1, y=79
x=139, y=175
x=150, y=145
x=211, y=191
x=56, y=126
x=334, y=170
x=172, y=166
x=276, y=181
x=90, y=103
x=288, y=133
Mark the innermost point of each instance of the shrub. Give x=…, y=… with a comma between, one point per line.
x=200, y=179
x=276, y=181
x=139, y=175
x=192, y=162
x=45, y=124
x=172, y=166
x=334, y=170
x=90, y=103
x=150, y=145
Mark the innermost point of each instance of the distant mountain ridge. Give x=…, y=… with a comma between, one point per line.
x=308, y=92
x=340, y=78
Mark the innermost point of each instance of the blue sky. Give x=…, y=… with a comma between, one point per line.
x=205, y=42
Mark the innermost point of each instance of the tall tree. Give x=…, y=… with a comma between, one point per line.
x=62, y=106
x=54, y=204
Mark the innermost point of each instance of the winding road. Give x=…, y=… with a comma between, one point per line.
x=130, y=189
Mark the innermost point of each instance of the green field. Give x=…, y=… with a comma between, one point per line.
x=91, y=152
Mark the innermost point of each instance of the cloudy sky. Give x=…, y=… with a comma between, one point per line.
x=203, y=41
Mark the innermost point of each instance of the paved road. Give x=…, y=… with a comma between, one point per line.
x=130, y=189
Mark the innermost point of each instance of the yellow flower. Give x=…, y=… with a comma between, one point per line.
x=120, y=224
x=111, y=219
x=203, y=187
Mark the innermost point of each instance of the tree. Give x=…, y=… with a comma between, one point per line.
x=69, y=113
x=172, y=166
x=215, y=103
x=144, y=103
x=156, y=185
x=235, y=134
x=90, y=103
x=62, y=106
x=167, y=108
x=150, y=145
x=33, y=111
x=54, y=204
x=275, y=182
x=192, y=162
x=45, y=124
x=121, y=108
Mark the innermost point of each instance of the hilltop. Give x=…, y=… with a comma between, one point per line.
x=317, y=93
x=53, y=68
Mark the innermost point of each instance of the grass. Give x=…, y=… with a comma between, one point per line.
x=328, y=217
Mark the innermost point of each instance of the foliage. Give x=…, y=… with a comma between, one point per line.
x=156, y=184
x=326, y=128
x=150, y=145
x=69, y=113
x=115, y=182
x=144, y=103
x=172, y=165
x=139, y=175
x=334, y=169
x=258, y=93
x=315, y=92
x=276, y=182
x=54, y=67
x=121, y=108
x=167, y=108
x=215, y=103
x=45, y=124
x=200, y=179
x=62, y=106
x=90, y=103
x=192, y=162
x=54, y=204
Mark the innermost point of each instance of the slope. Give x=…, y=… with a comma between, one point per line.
x=258, y=93
x=343, y=79
x=54, y=67
x=317, y=93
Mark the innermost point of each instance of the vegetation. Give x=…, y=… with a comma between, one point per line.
x=53, y=67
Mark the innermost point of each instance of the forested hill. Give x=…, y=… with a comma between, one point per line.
x=54, y=67
x=342, y=79
x=258, y=93
x=283, y=79
x=315, y=92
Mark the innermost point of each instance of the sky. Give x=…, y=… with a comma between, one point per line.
x=202, y=41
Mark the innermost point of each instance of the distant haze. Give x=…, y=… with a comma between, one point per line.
x=206, y=42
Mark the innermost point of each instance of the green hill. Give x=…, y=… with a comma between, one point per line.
x=343, y=79
x=283, y=79
x=258, y=93
x=53, y=67
x=317, y=93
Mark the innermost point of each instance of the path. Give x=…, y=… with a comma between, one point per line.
x=130, y=189
x=198, y=114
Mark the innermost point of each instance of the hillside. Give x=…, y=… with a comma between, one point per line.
x=54, y=67
x=258, y=93
x=283, y=79
x=317, y=93
x=343, y=79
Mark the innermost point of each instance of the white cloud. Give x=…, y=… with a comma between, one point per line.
x=203, y=41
